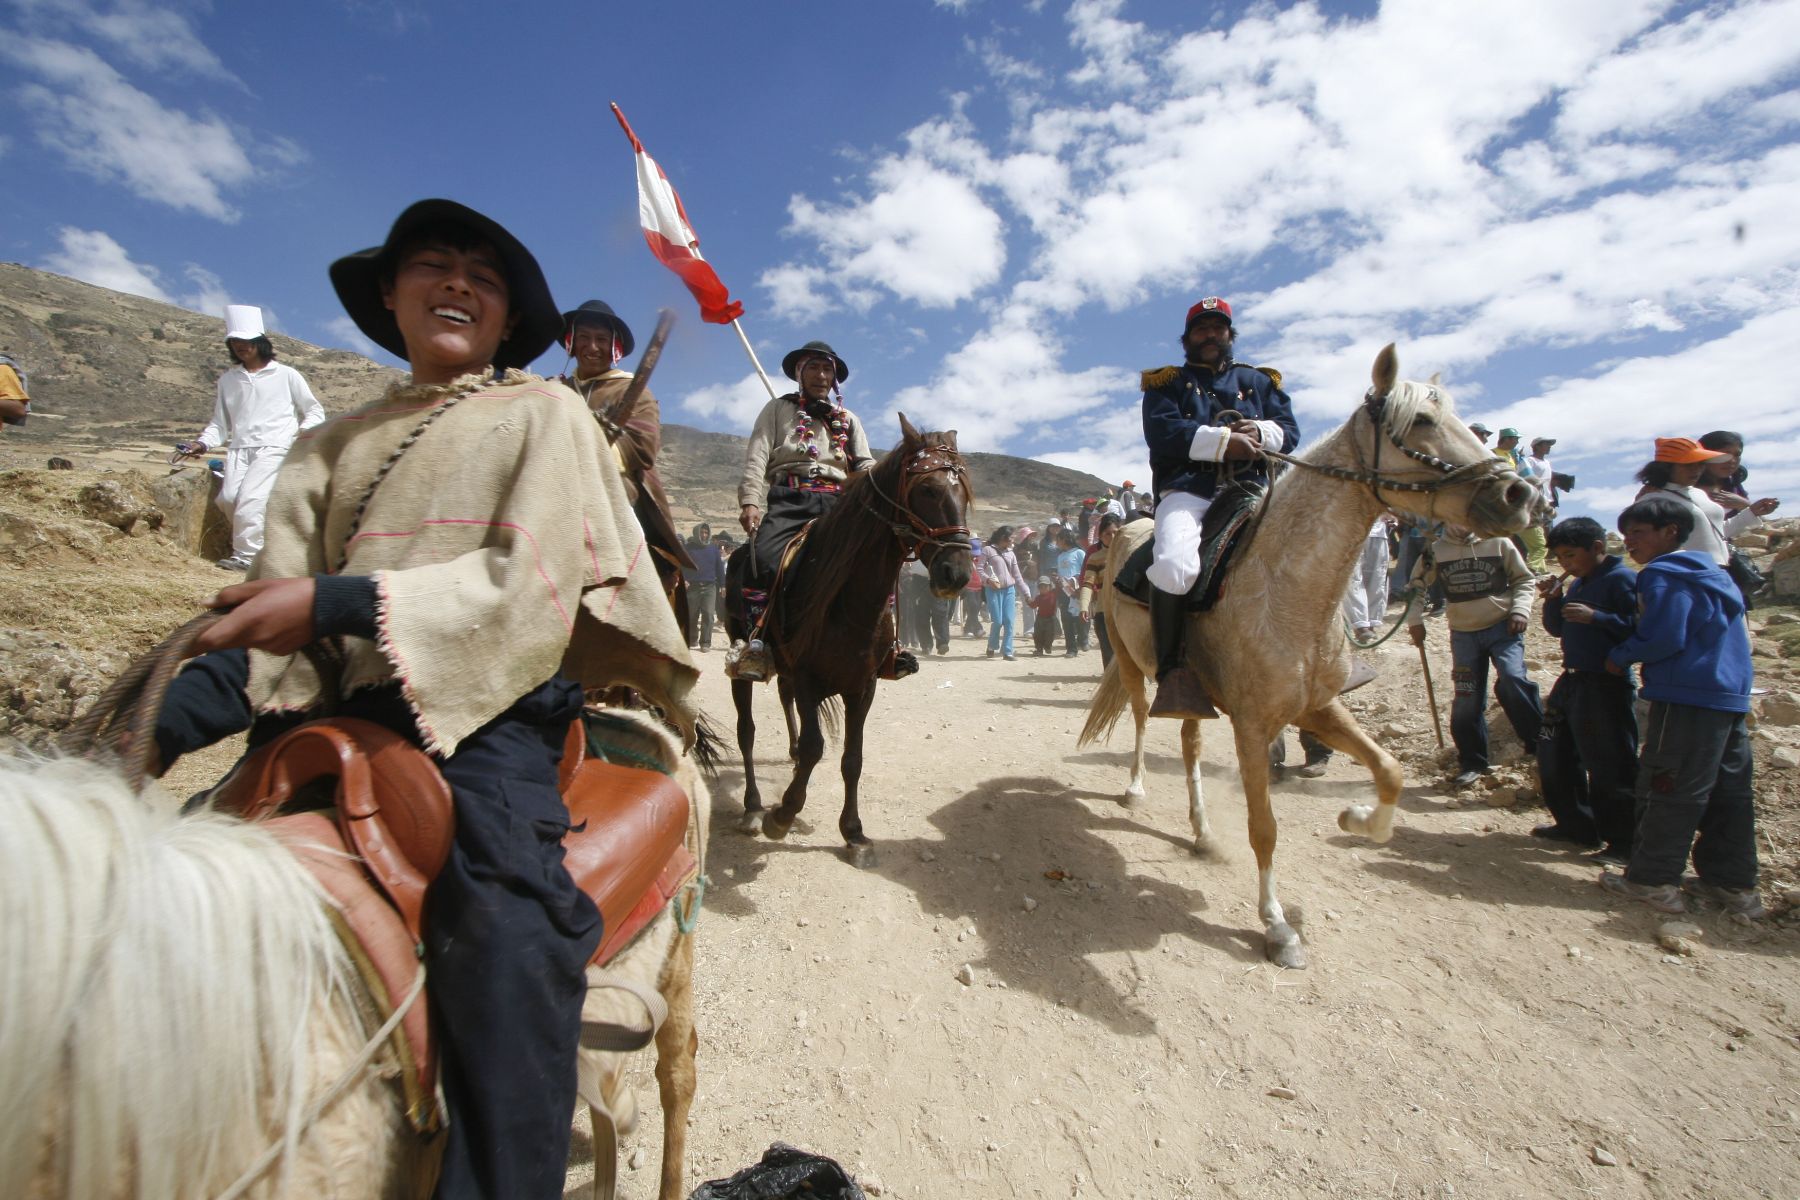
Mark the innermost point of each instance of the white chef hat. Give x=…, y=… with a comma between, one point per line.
x=243, y=321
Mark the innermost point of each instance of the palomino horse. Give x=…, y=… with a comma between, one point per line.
x=1270, y=651
x=179, y=1017
x=830, y=629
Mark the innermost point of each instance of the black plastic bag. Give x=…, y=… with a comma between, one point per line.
x=785, y=1173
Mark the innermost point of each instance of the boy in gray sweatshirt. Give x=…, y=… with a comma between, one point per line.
x=1488, y=588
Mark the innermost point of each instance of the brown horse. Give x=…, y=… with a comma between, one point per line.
x=830, y=628
x=1270, y=651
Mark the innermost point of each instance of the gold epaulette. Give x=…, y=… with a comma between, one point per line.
x=1273, y=374
x=1160, y=377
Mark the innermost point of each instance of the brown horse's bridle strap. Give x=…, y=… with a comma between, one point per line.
x=915, y=533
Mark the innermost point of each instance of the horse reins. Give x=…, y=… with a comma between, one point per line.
x=1376, y=406
x=914, y=533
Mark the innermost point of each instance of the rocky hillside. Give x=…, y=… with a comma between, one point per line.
x=120, y=378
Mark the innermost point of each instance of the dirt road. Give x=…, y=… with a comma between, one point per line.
x=1479, y=1019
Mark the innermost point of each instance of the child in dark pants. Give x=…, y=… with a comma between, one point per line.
x=1043, y=633
x=1587, y=752
x=1694, y=779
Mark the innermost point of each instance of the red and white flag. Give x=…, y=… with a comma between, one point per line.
x=673, y=240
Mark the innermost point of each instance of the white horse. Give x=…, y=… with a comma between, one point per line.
x=179, y=1018
x=1270, y=651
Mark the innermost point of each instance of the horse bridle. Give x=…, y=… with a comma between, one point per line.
x=913, y=533
x=1451, y=473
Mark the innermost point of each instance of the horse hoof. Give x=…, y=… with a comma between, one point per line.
x=751, y=821
x=1133, y=797
x=860, y=854
x=1361, y=819
x=775, y=830
x=1282, y=945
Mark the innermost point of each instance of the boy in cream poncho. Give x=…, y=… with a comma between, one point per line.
x=470, y=550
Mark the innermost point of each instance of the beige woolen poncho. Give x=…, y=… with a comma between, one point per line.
x=503, y=548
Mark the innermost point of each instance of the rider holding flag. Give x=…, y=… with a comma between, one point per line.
x=802, y=451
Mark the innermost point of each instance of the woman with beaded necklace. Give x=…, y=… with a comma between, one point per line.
x=803, y=449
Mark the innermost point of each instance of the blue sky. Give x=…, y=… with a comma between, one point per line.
x=1581, y=214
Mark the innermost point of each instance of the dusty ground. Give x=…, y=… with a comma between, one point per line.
x=1479, y=1019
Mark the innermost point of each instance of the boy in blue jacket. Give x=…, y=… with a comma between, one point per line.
x=1587, y=753
x=1694, y=776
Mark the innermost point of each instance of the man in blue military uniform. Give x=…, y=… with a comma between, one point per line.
x=1190, y=450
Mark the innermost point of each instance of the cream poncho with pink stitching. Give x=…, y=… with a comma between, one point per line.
x=503, y=547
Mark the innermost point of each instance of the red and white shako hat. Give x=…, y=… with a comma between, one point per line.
x=1210, y=306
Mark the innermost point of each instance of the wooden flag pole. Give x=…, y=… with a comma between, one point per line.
x=760, y=373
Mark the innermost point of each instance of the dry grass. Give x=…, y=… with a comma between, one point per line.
x=109, y=606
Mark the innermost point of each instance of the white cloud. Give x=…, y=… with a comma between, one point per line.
x=111, y=130
x=1683, y=68
x=925, y=235
x=1615, y=414
x=209, y=294
x=1112, y=45
x=797, y=293
x=344, y=333
x=95, y=257
x=156, y=38
x=1595, y=180
x=737, y=404
x=1006, y=380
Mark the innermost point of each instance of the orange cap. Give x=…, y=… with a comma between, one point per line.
x=1685, y=450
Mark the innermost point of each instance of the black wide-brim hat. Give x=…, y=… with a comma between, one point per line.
x=357, y=278
x=807, y=351
x=598, y=312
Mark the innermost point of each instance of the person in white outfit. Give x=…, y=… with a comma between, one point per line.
x=261, y=406
x=1365, y=602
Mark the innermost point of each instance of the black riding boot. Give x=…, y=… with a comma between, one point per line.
x=1179, y=692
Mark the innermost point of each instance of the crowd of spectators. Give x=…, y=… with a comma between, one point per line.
x=1641, y=745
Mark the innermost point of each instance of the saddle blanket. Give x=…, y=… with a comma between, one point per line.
x=1232, y=511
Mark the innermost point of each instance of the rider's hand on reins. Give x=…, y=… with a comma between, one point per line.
x=750, y=517
x=275, y=615
x=1242, y=445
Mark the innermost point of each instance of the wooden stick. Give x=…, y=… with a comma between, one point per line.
x=760, y=373
x=621, y=409
x=1431, y=696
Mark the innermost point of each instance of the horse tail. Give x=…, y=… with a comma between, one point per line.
x=831, y=717
x=1107, y=706
x=709, y=744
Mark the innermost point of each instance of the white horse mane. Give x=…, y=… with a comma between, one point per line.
x=1409, y=400
x=159, y=977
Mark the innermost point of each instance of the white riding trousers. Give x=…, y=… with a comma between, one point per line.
x=1177, y=563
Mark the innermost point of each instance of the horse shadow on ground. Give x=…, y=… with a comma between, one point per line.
x=997, y=844
x=1105, y=904
x=1492, y=869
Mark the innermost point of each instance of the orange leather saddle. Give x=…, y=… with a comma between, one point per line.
x=378, y=837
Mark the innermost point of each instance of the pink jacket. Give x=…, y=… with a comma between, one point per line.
x=1000, y=569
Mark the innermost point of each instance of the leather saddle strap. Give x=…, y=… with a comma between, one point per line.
x=604, y=1035
x=606, y=1155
